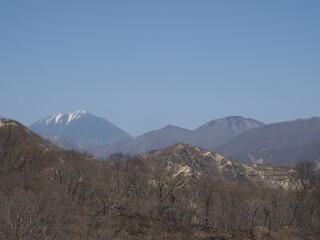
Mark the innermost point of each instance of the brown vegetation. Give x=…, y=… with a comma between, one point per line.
x=49, y=194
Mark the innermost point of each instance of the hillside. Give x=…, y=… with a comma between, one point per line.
x=16, y=138
x=195, y=161
x=180, y=192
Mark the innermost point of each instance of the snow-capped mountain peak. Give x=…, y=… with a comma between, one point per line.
x=81, y=127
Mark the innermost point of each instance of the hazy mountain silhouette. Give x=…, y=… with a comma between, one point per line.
x=209, y=135
x=80, y=128
x=220, y=131
x=281, y=143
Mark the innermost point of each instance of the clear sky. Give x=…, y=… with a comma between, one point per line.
x=145, y=64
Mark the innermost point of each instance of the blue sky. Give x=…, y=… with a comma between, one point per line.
x=145, y=64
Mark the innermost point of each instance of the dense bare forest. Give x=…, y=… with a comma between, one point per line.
x=47, y=193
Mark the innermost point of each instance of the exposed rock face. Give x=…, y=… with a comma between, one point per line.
x=194, y=161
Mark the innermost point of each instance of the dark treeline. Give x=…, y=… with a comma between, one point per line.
x=49, y=194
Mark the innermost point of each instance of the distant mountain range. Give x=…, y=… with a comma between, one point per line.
x=278, y=143
x=78, y=130
x=240, y=138
x=178, y=159
x=209, y=135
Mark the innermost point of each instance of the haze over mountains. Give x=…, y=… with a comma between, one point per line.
x=209, y=135
x=281, y=143
x=240, y=138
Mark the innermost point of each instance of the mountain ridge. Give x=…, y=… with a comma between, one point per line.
x=275, y=139
x=246, y=139
x=208, y=135
x=180, y=158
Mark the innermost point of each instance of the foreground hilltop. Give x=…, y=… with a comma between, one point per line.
x=194, y=161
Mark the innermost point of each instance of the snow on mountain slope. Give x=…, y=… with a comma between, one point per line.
x=81, y=127
x=59, y=118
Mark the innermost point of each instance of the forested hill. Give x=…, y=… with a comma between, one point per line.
x=48, y=193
